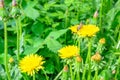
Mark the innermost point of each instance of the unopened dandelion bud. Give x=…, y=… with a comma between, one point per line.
x=2, y=11
x=95, y=14
x=11, y=60
x=14, y=3
x=78, y=59
x=1, y=3
x=65, y=69
x=15, y=10
x=102, y=41
x=97, y=57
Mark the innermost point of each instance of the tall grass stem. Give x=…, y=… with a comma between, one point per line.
x=56, y=78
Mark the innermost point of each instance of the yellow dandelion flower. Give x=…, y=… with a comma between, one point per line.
x=88, y=30
x=102, y=41
x=74, y=28
x=31, y=64
x=68, y=51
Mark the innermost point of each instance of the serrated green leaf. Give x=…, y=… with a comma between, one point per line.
x=112, y=13
x=53, y=45
x=31, y=13
x=38, y=43
x=56, y=34
x=32, y=3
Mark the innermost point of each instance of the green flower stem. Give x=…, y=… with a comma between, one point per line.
x=65, y=75
x=33, y=76
x=45, y=74
x=71, y=72
x=75, y=39
x=99, y=48
x=20, y=27
x=96, y=74
x=78, y=70
x=84, y=72
x=79, y=41
x=19, y=33
x=78, y=63
x=56, y=78
x=6, y=51
x=88, y=61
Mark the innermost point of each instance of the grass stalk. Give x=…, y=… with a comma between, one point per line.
x=56, y=78
x=101, y=8
x=66, y=24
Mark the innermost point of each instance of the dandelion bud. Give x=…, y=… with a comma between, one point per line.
x=1, y=3
x=65, y=69
x=96, y=57
x=15, y=10
x=102, y=41
x=2, y=11
x=95, y=14
x=78, y=58
x=14, y=3
x=11, y=60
